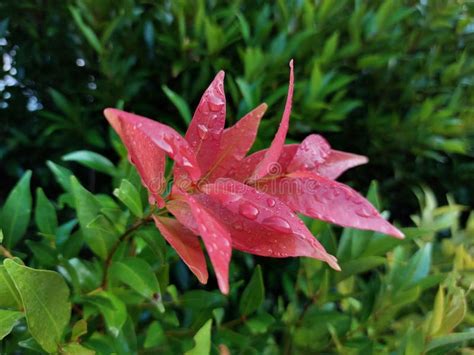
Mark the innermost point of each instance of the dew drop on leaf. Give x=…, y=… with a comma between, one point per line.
x=365, y=212
x=215, y=106
x=278, y=224
x=202, y=131
x=271, y=202
x=249, y=210
x=238, y=226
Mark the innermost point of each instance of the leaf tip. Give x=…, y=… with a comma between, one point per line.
x=332, y=262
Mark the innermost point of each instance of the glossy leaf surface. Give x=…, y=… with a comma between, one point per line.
x=274, y=152
x=261, y=224
x=328, y=200
x=205, y=130
x=186, y=245
x=216, y=239
x=236, y=142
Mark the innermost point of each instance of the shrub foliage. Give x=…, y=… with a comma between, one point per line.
x=83, y=270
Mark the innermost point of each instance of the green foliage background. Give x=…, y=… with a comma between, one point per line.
x=391, y=79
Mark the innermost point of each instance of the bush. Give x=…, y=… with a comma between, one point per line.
x=83, y=270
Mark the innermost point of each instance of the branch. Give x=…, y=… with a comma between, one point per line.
x=5, y=252
x=121, y=239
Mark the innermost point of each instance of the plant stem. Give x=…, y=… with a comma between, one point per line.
x=5, y=252
x=123, y=237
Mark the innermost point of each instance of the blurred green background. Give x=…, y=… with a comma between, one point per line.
x=393, y=80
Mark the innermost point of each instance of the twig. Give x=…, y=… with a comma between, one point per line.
x=5, y=252
x=122, y=238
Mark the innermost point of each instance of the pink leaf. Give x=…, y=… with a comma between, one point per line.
x=236, y=142
x=205, y=130
x=148, y=159
x=215, y=236
x=164, y=137
x=273, y=153
x=311, y=153
x=328, y=200
x=338, y=162
x=244, y=170
x=181, y=210
x=186, y=245
x=261, y=224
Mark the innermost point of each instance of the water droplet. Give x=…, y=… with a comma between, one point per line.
x=226, y=243
x=204, y=228
x=271, y=202
x=203, y=107
x=151, y=200
x=238, y=226
x=365, y=212
x=248, y=210
x=186, y=162
x=214, y=245
x=278, y=224
x=203, y=131
x=230, y=198
x=215, y=106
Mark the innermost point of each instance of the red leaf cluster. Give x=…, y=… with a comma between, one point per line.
x=231, y=200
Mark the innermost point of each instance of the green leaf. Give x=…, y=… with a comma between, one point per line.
x=112, y=308
x=137, y=274
x=92, y=160
x=9, y=296
x=450, y=339
x=88, y=208
x=357, y=266
x=254, y=294
x=44, y=253
x=45, y=214
x=155, y=335
x=8, y=319
x=76, y=349
x=259, y=324
x=438, y=312
x=61, y=174
x=200, y=299
x=15, y=214
x=45, y=298
x=179, y=102
x=129, y=195
x=103, y=226
x=79, y=329
x=91, y=37
x=454, y=313
x=202, y=340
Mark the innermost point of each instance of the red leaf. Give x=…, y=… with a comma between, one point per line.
x=148, y=159
x=328, y=200
x=164, y=137
x=273, y=153
x=205, y=130
x=181, y=210
x=338, y=162
x=311, y=153
x=261, y=224
x=215, y=236
x=236, y=142
x=186, y=245
x=247, y=166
